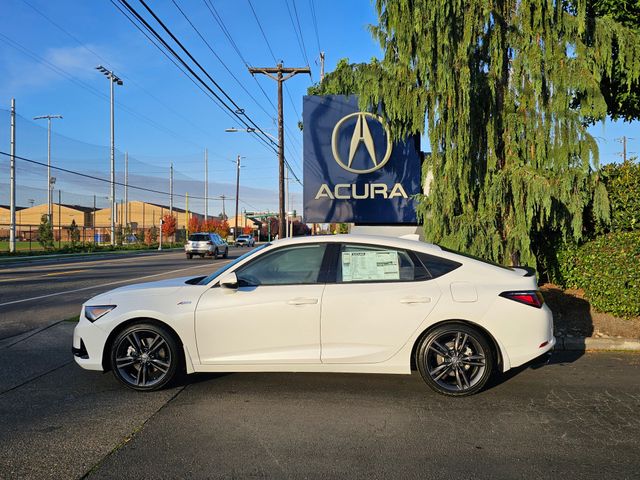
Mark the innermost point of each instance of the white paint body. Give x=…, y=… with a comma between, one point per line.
x=333, y=327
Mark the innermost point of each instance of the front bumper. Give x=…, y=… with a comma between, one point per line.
x=88, y=344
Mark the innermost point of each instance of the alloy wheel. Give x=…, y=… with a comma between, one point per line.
x=455, y=360
x=143, y=358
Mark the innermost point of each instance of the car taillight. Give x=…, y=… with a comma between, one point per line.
x=532, y=298
x=209, y=243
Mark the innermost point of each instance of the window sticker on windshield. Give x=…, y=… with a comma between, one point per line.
x=367, y=266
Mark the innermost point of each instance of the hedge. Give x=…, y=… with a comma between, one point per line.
x=607, y=268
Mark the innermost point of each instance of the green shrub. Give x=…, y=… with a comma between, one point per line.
x=623, y=186
x=607, y=268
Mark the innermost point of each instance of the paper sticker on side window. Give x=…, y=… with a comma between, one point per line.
x=370, y=266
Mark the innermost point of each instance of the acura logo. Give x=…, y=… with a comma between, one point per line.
x=361, y=135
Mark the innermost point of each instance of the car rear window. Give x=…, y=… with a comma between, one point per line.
x=198, y=238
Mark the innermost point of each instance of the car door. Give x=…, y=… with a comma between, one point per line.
x=273, y=317
x=380, y=297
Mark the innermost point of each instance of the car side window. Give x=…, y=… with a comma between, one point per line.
x=286, y=266
x=437, y=266
x=367, y=263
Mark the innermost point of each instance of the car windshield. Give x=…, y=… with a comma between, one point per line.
x=208, y=279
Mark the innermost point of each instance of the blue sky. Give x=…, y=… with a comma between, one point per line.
x=161, y=116
x=182, y=120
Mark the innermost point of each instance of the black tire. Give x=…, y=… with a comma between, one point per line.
x=189, y=256
x=455, y=359
x=226, y=253
x=145, y=357
x=215, y=254
x=202, y=255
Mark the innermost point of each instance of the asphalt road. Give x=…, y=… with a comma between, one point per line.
x=42, y=292
x=577, y=417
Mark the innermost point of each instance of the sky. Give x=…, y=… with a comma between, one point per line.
x=49, y=51
x=48, y=55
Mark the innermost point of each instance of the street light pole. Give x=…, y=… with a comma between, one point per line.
x=48, y=118
x=206, y=184
x=113, y=79
x=235, y=230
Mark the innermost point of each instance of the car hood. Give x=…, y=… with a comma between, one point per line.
x=160, y=287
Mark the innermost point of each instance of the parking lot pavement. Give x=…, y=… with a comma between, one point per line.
x=578, y=417
x=58, y=421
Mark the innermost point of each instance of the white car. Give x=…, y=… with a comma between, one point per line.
x=341, y=303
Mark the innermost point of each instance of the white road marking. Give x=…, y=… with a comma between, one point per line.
x=13, y=302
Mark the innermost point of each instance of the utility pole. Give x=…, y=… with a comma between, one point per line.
x=48, y=118
x=321, y=66
x=279, y=77
x=95, y=240
x=623, y=140
x=235, y=229
x=113, y=79
x=224, y=214
x=206, y=184
x=186, y=215
x=126, y=188
x=12, y=188
x=171, y=189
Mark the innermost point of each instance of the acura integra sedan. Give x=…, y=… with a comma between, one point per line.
x=342, y=303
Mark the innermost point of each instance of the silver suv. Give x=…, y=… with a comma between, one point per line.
x=202, y=244
x=243, y=240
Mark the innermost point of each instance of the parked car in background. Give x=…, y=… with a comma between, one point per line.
x=245, y=241
x=337, y=303
x=209, y=244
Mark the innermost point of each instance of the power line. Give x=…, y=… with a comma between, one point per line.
x=264, y=35
x=238, y=112
x=93, y=177
x=105, y=61
x=12, y=43
x=219, y=59
x=298, y=32
x=218, y=19
x=314, y=19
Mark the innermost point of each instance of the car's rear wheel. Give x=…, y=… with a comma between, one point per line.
x=215, y=254
x=145, y=357
x=226, y=253
x=455, y=359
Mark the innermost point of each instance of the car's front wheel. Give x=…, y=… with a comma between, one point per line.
x=145, y=357
x=455, y=359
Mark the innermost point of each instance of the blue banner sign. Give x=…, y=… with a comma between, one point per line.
x=353, y=172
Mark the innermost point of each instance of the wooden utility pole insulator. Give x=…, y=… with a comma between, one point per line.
x=277, y=74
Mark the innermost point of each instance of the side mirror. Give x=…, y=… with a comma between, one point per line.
x=230, y=280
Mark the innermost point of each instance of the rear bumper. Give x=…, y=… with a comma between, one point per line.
x=534, y=337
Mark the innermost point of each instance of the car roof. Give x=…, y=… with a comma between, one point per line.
x=399, y=242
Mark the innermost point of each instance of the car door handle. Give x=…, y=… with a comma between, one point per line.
x=302, y=301
x=409, y=300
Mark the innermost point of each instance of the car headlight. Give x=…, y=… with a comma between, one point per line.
x=94, y=312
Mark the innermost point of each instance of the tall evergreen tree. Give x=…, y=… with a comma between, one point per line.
x=505, y=89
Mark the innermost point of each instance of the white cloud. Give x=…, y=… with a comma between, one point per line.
x=24, y=73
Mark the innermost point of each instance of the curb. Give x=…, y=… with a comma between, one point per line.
x=597, y=344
